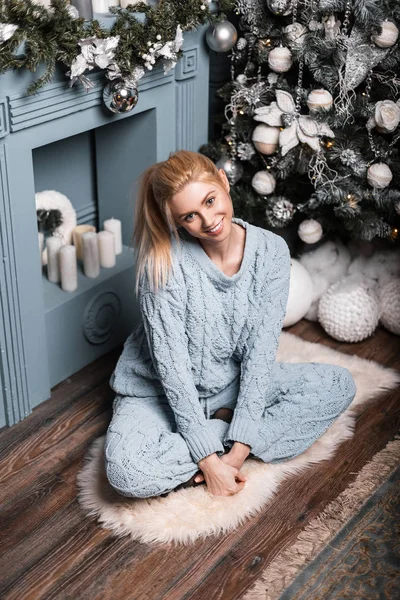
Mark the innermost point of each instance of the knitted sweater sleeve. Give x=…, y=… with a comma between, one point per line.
x=163, y=322
x=260, y=346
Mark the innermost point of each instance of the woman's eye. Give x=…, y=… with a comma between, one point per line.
x=212, y=198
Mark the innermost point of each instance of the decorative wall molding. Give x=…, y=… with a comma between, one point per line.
x=59, y=100
x=187, y=65
x=13, y=376
x=101, y=317
x=185, y=114
x=4, y=121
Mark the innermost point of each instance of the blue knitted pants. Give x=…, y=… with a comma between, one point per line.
x=145, y=456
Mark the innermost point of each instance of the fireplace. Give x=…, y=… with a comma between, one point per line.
x=64, y=139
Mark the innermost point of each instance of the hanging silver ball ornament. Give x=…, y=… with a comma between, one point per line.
x=388, y=36
x=281, y=8
x=233, y=168
x=265, y=138
x=379, y=175
x=280, y=59
x=263, y=183
x=118, y=97
x=222, y=36
x=319, y=99
x=310, y=231
x=280, y=211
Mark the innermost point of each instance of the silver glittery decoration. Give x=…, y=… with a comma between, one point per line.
x=233, y=168
x=362, y=56
x=281, y=8
x=397, y=207
x=95, y=52
x=280, y=211
x=241, y=43
x=7, y=30
x=245, y=151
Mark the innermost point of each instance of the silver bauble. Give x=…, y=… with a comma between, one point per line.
x=280, y=211
x=222, y=36
x=233, y=168
x=281, y=8
x=119, y=97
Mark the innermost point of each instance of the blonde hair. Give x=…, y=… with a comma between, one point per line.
x=153, y=221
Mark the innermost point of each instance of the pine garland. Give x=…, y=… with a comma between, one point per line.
x=52, y=35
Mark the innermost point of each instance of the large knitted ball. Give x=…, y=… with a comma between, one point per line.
x=300, y=293
x=389, y=296
x=347, y=311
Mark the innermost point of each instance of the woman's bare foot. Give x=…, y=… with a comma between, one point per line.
x=225, y=414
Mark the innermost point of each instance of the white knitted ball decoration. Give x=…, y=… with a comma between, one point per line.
x=389, y=296
x=379, y=175
x=280, y=59
x=310, y=231
x=388, y=36
x=265, y=138
x=347, y=311
x=319, y=99
x=300, y=293
x=263, y=183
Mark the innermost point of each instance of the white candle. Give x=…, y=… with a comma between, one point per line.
x=77, y=233
x=100, y=6
x=68, y=268
x=106, y=241
x=53, y=245
x=91, y=261
x=114, y=225
x=113, y=2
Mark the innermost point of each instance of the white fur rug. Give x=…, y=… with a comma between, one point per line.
x=191, y=513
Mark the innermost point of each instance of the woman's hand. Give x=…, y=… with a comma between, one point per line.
x=235, y=458
x=221, y=477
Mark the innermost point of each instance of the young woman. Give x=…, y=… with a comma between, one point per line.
x=212, y=291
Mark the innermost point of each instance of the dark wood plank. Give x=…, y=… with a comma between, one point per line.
x=51, y=549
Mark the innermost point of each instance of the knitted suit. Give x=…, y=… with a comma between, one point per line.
x=207, y=340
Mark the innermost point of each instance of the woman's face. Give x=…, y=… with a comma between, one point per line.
x=201, y=206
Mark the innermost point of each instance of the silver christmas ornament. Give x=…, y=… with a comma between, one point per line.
x=119, y=97
x=233, y=168
x=281, y=212
x=281, y=8
x=222, y=36
x=362, y=56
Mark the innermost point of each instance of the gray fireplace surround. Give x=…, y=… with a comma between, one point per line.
x=64, y=139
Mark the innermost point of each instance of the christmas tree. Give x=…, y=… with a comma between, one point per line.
x=310, y=132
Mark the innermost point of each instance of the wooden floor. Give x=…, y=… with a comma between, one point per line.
x=51, y=550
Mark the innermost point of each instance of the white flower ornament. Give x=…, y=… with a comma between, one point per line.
x=298, y=128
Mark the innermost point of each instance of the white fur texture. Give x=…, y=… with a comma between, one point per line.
x=188, y=514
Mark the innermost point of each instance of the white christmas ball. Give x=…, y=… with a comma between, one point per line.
x=389, y=296
x=347, y=311
x=263, y=183
x=300, y=293
x=319, y=99
x=379, y=175
x=388, y=36
x=280, y=59
x=310, y=231
x=265, y=138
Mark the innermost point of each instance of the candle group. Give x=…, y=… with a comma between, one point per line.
x=94, y=249
x=102, y=6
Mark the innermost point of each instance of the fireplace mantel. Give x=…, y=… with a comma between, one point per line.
x=63, y=138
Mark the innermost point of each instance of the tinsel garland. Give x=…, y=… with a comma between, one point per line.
x=56, y=35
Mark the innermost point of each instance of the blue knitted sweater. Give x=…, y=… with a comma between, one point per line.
x=204, y=331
